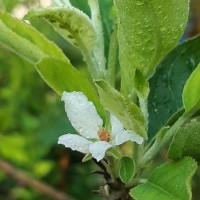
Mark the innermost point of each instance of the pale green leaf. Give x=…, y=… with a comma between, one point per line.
x=26, y=41
x=127, y=169
x=71, y=23
x=171, y=181
x=141, y=85
x=127, y=112
x=77, y=28
x=148, y=30
x=191, y=91
x=186, y=141
x=62, y=76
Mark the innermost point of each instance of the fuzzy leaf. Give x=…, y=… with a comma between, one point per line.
x=167, y=84
x=141, y=85
x=186, y=142
x=62, y=76
x=125, y=110
x=147, y=32
x=191, y=92
x=171, y=181
x=76, y=27
x=26, y=41
x=127, y=169
x=71, y=23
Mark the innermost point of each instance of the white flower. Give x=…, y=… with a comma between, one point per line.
x=93, y=137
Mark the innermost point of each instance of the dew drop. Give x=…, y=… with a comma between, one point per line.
x=139, y=3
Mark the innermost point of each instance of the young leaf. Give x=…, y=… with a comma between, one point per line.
x=191, y=92
x=62, y=76
x=74, y=26
x=26, y=41
x=147, y=32
x=71, y=23
x=186, y=142
x=127, y=169
x=129, y=113
x=171, y=181
x=168, y=82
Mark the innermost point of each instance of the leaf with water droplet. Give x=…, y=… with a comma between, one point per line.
x=125, y=110
x=167, y=84
x=140, y=21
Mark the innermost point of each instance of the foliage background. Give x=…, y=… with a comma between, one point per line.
x=32, y=118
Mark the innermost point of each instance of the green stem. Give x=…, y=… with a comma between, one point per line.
x=109, y=170
x=161, y=141
x=99, y=47
x=112, y=56
x=144, y=108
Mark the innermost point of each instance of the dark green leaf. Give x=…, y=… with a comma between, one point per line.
x=171, y=181
x=127, y=169
x=107, y=20
x=186, y=142
x=62, y=76
x=167, y=84
x=128, y=113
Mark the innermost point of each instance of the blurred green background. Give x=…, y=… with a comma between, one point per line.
x=32, y=116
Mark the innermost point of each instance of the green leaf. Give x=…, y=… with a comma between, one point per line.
x=115, y=153
x=191, y=92
x=127, y=169
x=171, y=181
x=141, y=85
x=71, y=23
x=107, y=16
x=76, y=27
x=167, y=84
x=62, y=76
x=128, y=113
x=186, y=142
x=87, y=157
x=147, y=32
x=26, y=41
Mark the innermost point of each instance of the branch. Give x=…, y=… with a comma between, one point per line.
x=35, y=184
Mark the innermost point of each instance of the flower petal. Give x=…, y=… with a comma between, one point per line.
x=82, y=114
x=125, y=136
x=75, y=142
x=117, y=126
x=98, y=149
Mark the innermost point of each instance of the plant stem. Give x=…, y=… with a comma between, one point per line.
x=161, y=141
x=144, y=108
x=30, y=182
x=109, y=170
x=112, y=56
x=99, y=47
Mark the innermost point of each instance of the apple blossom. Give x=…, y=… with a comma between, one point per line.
x=93, y=137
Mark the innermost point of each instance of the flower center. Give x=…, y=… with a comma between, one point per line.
x=104, y=135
